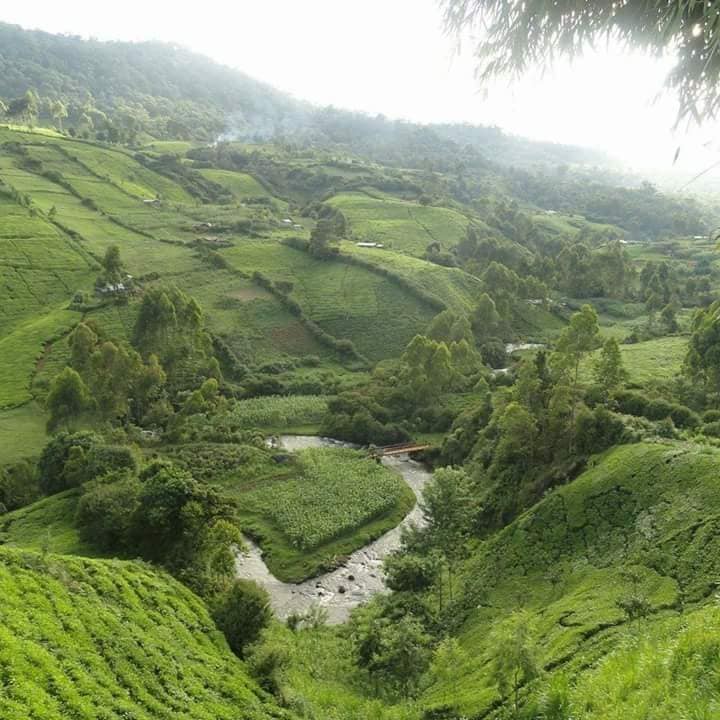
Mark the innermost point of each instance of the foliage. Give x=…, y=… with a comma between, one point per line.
x=242, y=612
x=337, y=491
x=518, y=36
x=121, y=625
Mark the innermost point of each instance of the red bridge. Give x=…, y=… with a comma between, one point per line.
x=399, y=449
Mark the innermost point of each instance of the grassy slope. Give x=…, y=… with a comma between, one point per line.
x=652, y=360
x=93, y=638
x=654, y=509
x=403, y=226
x=22, y=433
x=346, y=301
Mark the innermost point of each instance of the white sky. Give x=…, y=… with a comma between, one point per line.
x=391, y=56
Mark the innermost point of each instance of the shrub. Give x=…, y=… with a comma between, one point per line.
x=106, y=513
x=684, y=417
x=598, y=430
x=18, y=485
x=658, y=409
x=711, y=416
x=711, y=429
x=631, y=403
x=51, y=466
x=241, y=613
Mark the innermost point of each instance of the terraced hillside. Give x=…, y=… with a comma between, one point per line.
x=402, y=226
x=614, y=555
x=89, y=639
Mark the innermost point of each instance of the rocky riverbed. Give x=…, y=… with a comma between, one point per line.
x=360, y=577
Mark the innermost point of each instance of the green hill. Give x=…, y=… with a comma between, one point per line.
x=92, y=638
x=641, y=526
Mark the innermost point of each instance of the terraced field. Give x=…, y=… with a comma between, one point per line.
x=93, y=638
x=347, y=301
x=402, y=226
x=641, y=524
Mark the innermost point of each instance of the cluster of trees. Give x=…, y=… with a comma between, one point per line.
x=141, y=382
x=409, y=394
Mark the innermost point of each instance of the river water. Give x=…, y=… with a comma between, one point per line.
x=359, y=578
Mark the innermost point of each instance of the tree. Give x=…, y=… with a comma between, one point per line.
x=321, y=237
x=55, y=456
x=241, y=613
x=447, y=508
x=486, y=318
x=702, y=361
x=67, y=399
x=514, y=656
x=112, y=264
x=608, y=369
x=59, y=112
x=520, y=35
x=578, y=339
x=394, y=650
x=82, y=341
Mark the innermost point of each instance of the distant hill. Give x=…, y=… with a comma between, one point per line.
x=120, y=91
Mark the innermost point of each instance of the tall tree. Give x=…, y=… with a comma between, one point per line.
x=608, y=369
x=68, y=398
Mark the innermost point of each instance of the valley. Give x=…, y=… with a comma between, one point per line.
x=208, y=336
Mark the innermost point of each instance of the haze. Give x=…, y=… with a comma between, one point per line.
x=393, y=58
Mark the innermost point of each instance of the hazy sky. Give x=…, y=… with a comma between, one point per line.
x=391, y=56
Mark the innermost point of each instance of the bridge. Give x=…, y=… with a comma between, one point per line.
x=399, y=449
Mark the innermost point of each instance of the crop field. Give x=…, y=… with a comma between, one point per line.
x=347, y=301
x=249, y=318
x=331, y=502
x=278, y=411
x=458, y=289
x=400, y=225
x=20, y=349
x=338, y=490
x=241, y=185
x=84, y=638
x=653, y=360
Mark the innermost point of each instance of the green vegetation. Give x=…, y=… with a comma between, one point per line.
x=87, y=638
x=280, y=412
x=171, y=298
x=331, y=503
x=401, y=226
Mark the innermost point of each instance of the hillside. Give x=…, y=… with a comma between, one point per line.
x=92, y=638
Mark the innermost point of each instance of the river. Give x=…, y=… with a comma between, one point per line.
x=359, y=578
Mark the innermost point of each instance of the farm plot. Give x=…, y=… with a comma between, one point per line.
x=279, y=411
x=347, y=301
x=400, y=225
x=335, y=501
x=241, y=185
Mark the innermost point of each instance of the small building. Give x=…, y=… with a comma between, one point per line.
x=369, y=245
x=155, y=202
x=113, y=289
x=203, y=227
x=287, y=221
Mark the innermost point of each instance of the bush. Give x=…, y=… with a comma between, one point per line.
x=711, y=429
x=493, y=353
x=631, y=403
x=658, y=410
x=55, y=455
x=598, y=430
x=241, y=613
x=18, y=485
x=684, y=417
x=105, y=514
x=711, y=416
